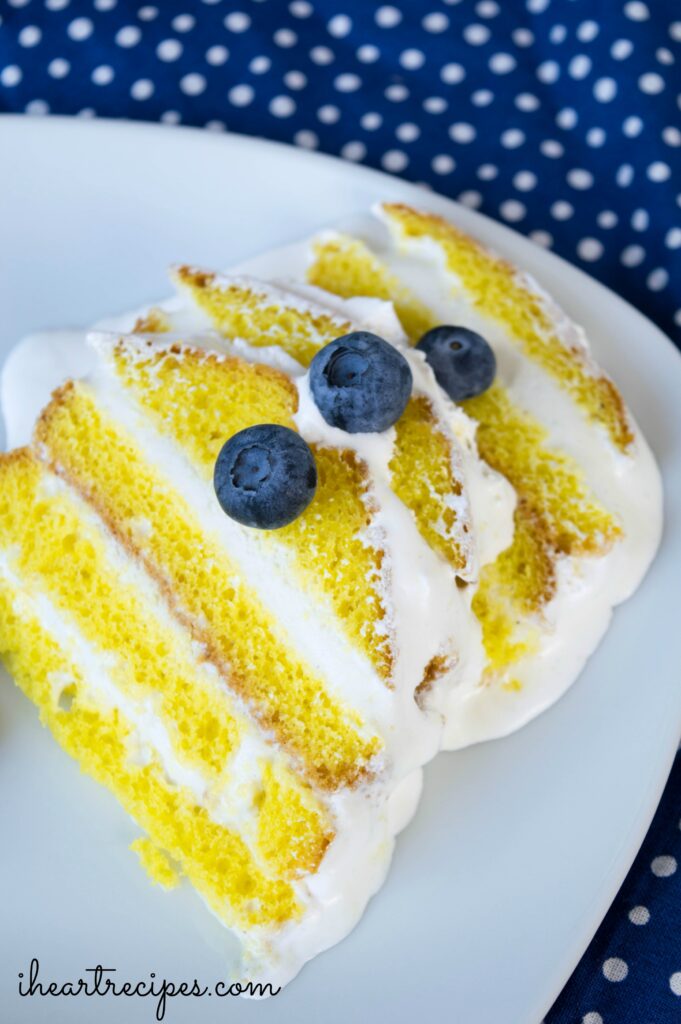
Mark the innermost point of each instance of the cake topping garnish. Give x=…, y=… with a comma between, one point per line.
x=462, y=361
x=360, y=383
x=265, y=476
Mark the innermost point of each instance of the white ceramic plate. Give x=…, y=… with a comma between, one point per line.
x=520, y=845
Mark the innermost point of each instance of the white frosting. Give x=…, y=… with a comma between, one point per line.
x=430, y=612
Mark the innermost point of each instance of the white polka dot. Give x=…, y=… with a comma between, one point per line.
x=183, y=22
x=482, y=97
x=641, y=915
x=527, y=102
x=347, y=82
x=285, y=38
x=11, y=75
x=328, y=114
x=606, y=219
x=632, y=256
x=605, y=89
x=615, y=969
x=169, y=49
x=407, y=132
x=240, y=95
x=636, y=11
x=339, y=26
x=548, y=72
x=487, y=9
x=512, y=138
x=368, y=54
x=671, y=135
x=595, y=137
x=632, y=126
x=566, y=118
x=103, y=74
x=354, y=151
x=512, y=210
x=396, y=93
x=664, y=56
x=129, y=35
x=193, y=84
x=148, y=13
x=462, y=132
x=80, y=29
x=52, y=5
x=217, y=55
x=665, y=866
x=589, y=249
x=587, y=31
x=87, y=112
x=677, y=318
x=215, y=126
x=412, y=59
x=19, y=3
x=142, y=89
x=282, y=106
x=592, y=1018
x=537, y=6
x=658, y=171
x=371, y=121
x=542, y=238
x=558, y=34
x=387, y=17
x=625, y=175
x=561, y=210
x=673, y=238
x=435, y=104
x=443, y=163
x=579, y=66
x=675, y=983
x=301, y=9
x=295, y=80
x=58, y=68
x=102, y=5
x=651, y=83
x=452, y=73
x=657, y=280
x=171, y=117
x=476, y=35
x=260, y=65
x=522, y=37
x=487, y=172
x=675, y=31
x=321, y=55
x=394, y=160
x=579, y=178
x=37, y=108
x=621, y=49
x=30, y=35
x=640, y=219
x=237, y=21
x=306, y=139
x=551, y=148
x=435, y=22
x=525, y=181
x=470, y=198
x=501, y=63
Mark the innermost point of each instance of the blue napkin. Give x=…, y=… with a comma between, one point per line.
x=560, y=118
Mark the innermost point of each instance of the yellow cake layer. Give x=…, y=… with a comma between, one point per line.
x=328, y=539
x=423, y=445
x=556, y=512
x=498, y=291
x=205, y=590
x=240, y=311
x=58, y=553
x=215, y=859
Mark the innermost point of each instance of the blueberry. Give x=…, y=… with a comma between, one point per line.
x=265, y=476
x=462, y=361
x=360, y=383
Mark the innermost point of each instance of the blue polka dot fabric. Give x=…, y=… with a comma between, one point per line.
x=560, y=117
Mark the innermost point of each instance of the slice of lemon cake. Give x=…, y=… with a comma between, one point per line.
x=260, y=700
x=588, y=496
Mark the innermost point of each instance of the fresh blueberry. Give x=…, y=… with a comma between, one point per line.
x=360, y=383
x=462, y=361
x=265, y=476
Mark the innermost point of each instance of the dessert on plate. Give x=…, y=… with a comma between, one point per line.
x=277, y=541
